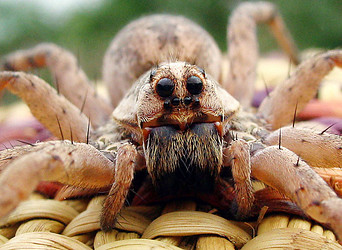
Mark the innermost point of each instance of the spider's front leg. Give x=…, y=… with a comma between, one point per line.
x=282, y=169
x=61, y=161
x=322, y=151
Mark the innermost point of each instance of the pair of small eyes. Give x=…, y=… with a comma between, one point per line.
x=165, y=86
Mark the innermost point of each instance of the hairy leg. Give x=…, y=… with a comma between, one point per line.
x=124, y=170
x=317, y=149
x=71, y=81
x=8, y=155
x=62, y=161
x=296, y=91
x=56, y=113
x=283, y=170
x=69, y=192
x=241, y=170
x=243, y=46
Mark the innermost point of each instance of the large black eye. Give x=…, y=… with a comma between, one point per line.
x=165, y=87
x=194, y=85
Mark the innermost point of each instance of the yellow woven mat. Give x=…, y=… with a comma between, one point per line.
x=41, y=223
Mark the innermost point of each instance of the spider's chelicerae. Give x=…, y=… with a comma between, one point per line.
x=174, y=123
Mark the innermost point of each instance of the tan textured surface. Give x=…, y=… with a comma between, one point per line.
x=174, y=228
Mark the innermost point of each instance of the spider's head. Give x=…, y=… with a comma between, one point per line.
x=180, y=94
x=181, y=115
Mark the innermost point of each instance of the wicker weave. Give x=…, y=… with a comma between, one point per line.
x=41, y=223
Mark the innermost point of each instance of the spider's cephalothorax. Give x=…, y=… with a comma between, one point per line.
x=176, y=121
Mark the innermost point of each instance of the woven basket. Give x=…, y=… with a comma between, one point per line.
x=41, y=223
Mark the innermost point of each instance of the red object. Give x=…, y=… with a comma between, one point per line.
x=317, y=108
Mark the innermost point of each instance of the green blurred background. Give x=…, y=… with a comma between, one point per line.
x=87, y=27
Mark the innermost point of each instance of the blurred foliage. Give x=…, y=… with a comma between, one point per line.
x=88, y=32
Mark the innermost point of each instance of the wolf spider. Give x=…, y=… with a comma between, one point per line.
x=176, y=125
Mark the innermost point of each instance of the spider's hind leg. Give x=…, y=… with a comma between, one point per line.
x=297, y=90
x=56, y=113
x=243, y=46
x=70, y=79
